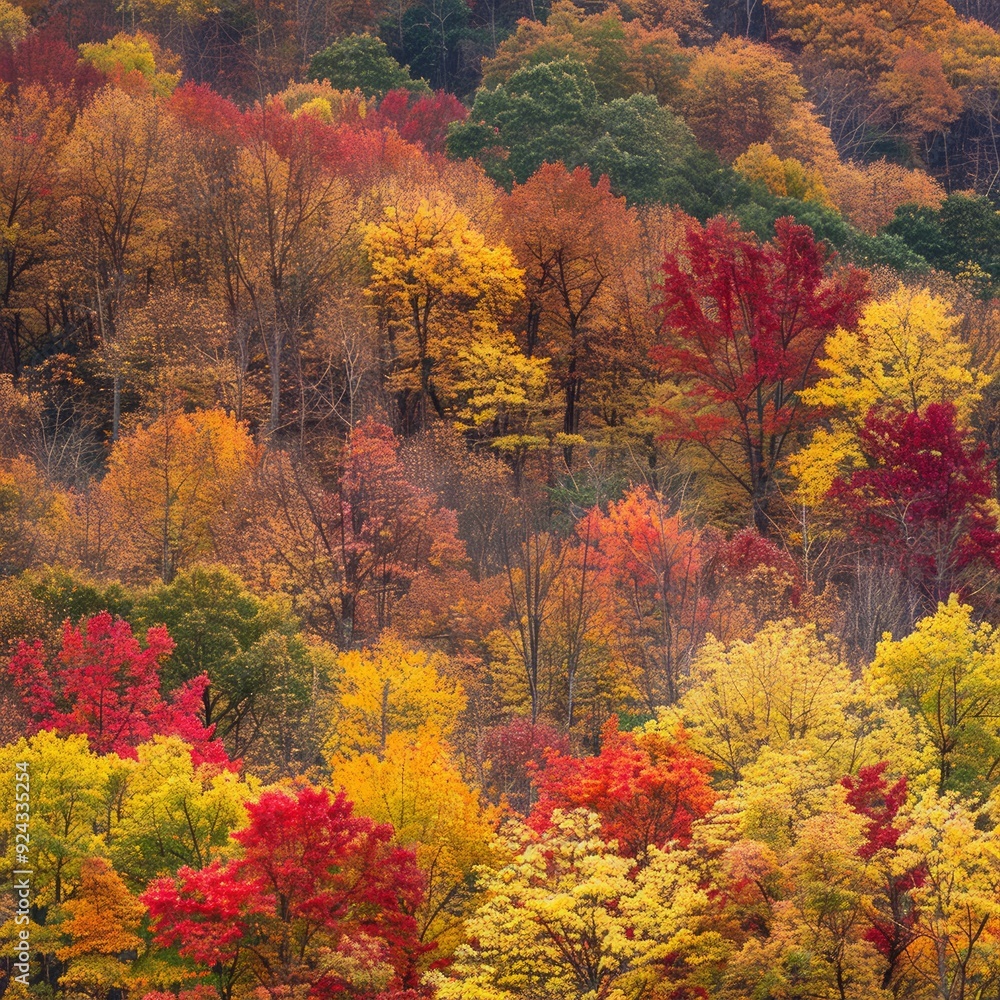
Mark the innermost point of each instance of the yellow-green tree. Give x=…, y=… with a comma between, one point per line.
x=175, y=813
x=905, y=353
x=568, y=918
x=74, y=794
x=947, y=674
x=129, y=59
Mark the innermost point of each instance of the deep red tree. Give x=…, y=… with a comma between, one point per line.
x=422, y=120
x=103, y=683
x=743, y=325
x=892, y=911
x=647, y=789
x=44, y=59
x=926, y=497
x=318, y=902
x=515, y=754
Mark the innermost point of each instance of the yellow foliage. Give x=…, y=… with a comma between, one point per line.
x=786, y=178
x=904, y=352
x=416, y=786
x=957, y=847
x=168, y=483
x=72, y=791
x=784, y=687
x=174, y=813
x=568, y=919
x=14, y=23
x=133, y=56
x=947, y=674
x=390, y=689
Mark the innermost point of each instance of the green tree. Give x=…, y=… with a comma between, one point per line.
x=363, y=62
x=543, y=114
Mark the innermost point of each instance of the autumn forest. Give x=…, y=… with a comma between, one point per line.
x=498, y=500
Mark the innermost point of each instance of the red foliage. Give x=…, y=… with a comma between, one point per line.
x=893, y=915
x=924, y=497
x=651, y=562
x=746, y=553
x=201, y=109
x=516, y=751
x=647, y=789
x=311, y=876
x=44, y=59
x=423, y=121
x=102, y=683
x=745, y=323
x=870, y=795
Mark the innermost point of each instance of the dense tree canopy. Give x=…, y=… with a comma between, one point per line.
x=498, y=500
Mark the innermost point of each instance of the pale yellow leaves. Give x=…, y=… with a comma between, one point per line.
x=568, y=919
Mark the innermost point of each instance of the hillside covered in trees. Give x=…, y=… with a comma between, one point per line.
x=498, y=500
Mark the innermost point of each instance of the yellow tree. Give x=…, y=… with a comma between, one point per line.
x=116, y=168
x=416, y=785
x=168, y=485
x=436, y=280
x=390, y=689
x=175, y=813
x=501, y=394
x=805, y=892
x=947, y=674
x=956, y=847
x=904, y=353
x=785, y=688
x=568, y=918
x=788, y=178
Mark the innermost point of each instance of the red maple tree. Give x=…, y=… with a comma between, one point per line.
x=647, y=789
x=743, y=325
x=103, y=683
x=925, y=497
x=317, y=896
x=892, y=913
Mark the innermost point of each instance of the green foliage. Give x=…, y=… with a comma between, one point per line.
x=551, y=112
x=363, y=62
x=264, y=674
x=962, y=238
x=543, y=114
